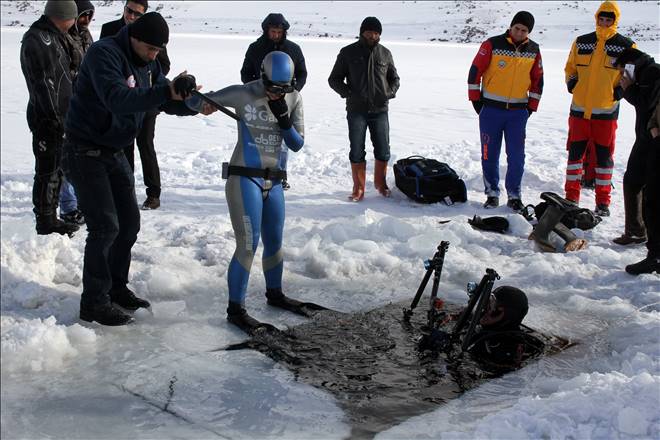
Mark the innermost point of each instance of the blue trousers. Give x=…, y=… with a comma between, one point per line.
x=105, y=186
x=379, y=130
x=255, y=214
x=493, y=123
x=68, y=201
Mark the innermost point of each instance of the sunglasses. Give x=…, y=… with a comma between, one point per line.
x=133, y=12
x=277, y=89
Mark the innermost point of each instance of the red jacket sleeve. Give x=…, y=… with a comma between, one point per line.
x=536, y=88
x=479, y=65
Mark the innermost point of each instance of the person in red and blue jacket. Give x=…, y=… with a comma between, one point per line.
x=505, y=85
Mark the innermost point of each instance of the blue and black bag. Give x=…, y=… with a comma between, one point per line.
x=429, y=181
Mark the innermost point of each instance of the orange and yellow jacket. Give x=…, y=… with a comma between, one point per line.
x=507, y=75
x=590, y=75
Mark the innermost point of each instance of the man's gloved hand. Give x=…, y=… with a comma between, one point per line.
x=478, y=105
x=50, y=131
x=184, y=85
x=281, y=112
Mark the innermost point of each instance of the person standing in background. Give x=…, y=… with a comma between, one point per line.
x=134, y=9
x=593, y=81
x=46, y=65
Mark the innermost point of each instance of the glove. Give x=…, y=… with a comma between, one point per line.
x=49, y=131
x=281, y=112
x=478, y=105
x=184, y=85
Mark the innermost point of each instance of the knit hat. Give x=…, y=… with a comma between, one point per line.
x=525, y=18
x=151, y=28
x=371, y=24
x=84, y=6
x=62, y=9
x=514, y=302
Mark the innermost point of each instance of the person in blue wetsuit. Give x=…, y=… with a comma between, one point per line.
x=271, y=122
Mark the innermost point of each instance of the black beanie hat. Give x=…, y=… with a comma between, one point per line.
x=84, y=6
x=371, y=24
x=515, y=306
x=525, y=18
x=151, y=28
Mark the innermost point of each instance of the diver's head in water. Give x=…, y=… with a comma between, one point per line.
x=507, y=309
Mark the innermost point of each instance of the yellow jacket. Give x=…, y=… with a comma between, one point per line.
x=590, y=75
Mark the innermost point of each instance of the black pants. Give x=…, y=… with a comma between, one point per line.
x=145, y=143
x=105, y=187
x=47, y=176
x=652, y=199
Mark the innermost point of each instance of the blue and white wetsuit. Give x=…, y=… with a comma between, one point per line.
x=256, y=206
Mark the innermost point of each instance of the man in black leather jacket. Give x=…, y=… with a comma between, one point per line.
x=134, y=9
x=364, y=74
x=46, y=65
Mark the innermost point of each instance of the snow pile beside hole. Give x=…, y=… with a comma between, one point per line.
x=41, y=345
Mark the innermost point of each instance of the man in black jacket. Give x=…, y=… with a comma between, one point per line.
x=46, y=65
x=119, y=81
x=364, y=74
x=640, y=81
x=274, y=38
x=134, y=9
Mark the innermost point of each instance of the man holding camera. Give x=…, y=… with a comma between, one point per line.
x=119, y=81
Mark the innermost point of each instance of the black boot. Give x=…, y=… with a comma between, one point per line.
x=49, y=224
x=126, y=299
x=105, y=314
x=541, y=233
x=647, y=265
x=238, y=316
x=571, y=241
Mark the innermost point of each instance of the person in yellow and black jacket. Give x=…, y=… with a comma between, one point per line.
x=505, y=85
x=593, y=80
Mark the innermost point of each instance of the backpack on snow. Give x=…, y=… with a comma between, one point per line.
x=429, y=181
x=581, y=218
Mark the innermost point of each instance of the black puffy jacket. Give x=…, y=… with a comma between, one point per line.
x=46, y=65
x=365, y=76
x=643, y=94
x=258, y=50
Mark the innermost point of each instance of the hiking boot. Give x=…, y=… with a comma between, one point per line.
x=627, y=239
x=105, y=314
x=492, y=202
x=647, y=265
x=516, y=205
x=52, y=225
x=151, y=203
x=602, y=210
x=126, y=299
x=74, y=217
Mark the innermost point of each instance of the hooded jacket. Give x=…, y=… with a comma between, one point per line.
x=258, y=50
x=512, y=73
x=590, y=74
x=46, y=65
x=643, y=94
x=81, y=38
x=365, y=76
x=112, y=94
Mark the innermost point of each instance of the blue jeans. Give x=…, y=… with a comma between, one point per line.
x=105, y=186
x=493, y=123
x=379, y=130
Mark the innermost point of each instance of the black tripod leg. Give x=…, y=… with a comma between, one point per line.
x=408, y=313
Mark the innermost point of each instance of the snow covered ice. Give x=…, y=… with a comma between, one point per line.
x=62, y=378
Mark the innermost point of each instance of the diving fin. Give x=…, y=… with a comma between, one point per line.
x=306, y=309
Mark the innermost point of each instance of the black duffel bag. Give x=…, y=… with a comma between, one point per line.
x=429, y=181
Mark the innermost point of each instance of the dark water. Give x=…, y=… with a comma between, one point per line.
x=370, y=363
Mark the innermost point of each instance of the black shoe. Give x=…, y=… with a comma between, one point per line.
x=492, y=202
x=126, y=299
x=151, y=203
x=647, y=265
x=52, y=225
x=74, y=217
x=602, y=210
x=516, y=205
x=105, y=314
